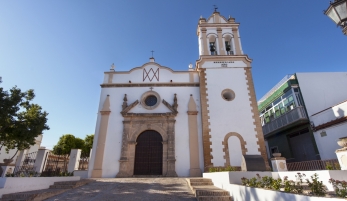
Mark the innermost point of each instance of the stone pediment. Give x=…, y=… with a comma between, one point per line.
x=126, y=111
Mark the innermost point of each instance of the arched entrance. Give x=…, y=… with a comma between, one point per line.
x=149, y=154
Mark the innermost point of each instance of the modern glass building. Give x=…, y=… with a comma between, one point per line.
x=285, y=122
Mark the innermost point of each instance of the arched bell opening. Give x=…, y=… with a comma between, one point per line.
x=149, y=154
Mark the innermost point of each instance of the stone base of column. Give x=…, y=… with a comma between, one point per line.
x=97, y=173
x=171, y=172
x=342, y=157
x=195, y=172
x=8, y=169
x=279, y=164
x=124, y=169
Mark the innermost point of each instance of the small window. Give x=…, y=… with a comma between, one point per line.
x=151, y=100
x=228, y=94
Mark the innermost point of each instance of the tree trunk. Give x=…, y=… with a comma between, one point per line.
x=15, y=154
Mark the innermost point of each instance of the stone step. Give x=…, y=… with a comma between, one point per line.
x=204, y=190
x=32, y=195
x=201, y=183
x=200, y=180
x=211, y=193
x=214, y=198
x=61, y=186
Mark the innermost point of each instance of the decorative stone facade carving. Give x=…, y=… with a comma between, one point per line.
x=136, y=123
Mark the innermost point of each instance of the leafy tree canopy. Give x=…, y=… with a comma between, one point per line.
x=69, y=141
x=21, y=121
x=88, y=144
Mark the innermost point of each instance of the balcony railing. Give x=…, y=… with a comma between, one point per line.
x=292, y=116
x=332, y=164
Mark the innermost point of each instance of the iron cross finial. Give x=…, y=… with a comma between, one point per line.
x=152, y=53
x=215, y=8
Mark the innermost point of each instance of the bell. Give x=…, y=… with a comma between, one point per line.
x=228, y=48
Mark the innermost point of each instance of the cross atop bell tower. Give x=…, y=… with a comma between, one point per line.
x=218, y=35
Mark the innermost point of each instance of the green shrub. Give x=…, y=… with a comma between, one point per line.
x=340, y=187
x=317, y=187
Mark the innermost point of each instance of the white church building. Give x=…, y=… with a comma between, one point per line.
x=154, y=120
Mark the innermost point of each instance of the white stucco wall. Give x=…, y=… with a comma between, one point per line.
x=115, y=128
x=322, y=90
x=327, y=145
x=229, y=116
x=163, y=75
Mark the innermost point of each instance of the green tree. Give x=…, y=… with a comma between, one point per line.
x=66, y=143
x=21, y=121
x=88, y=144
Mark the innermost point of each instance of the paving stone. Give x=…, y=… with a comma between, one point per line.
x=128, y=189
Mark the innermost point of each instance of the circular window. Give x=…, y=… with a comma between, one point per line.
x=150, y=100
x=228, y=94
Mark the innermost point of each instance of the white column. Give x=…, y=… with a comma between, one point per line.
x=342, y=157
x=21, y=157
x=74, y=160
x=40, y=160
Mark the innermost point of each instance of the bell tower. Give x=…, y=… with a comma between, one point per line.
x=230, y=120
x=219, y=36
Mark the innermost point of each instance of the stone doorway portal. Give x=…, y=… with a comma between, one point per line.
x=149, y=154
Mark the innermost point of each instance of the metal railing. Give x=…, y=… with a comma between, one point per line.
x=314, y=165
x=55, y=164
x=291, y=116
x=83, y=163
x=26, y=167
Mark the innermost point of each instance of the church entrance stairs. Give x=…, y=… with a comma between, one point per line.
x=119, y=189
x=204, y=190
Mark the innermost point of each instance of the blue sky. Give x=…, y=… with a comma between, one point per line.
x=61, y=48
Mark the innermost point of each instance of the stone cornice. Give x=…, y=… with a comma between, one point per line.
x=192, y=112
x=167, y=114
x=105, y=112
x=151, y=85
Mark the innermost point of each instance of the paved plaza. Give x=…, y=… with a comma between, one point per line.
x=128, y=189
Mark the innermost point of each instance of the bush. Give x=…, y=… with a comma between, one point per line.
x=340, y=187
x=317, y=187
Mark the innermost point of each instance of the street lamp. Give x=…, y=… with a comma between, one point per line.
x=0, y=79
x=337, y=11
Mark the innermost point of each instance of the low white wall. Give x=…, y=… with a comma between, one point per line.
x=21, y=184
x=81, y=173
x=221, y=179
x=243, y=193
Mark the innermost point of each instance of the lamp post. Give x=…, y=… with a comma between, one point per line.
x=337, y=11
x=0, y=79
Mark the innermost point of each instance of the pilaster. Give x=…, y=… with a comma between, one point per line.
x=204, y=42
x=220, y=42
x=192, y=112
x=237, y=41
x=100, y=148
